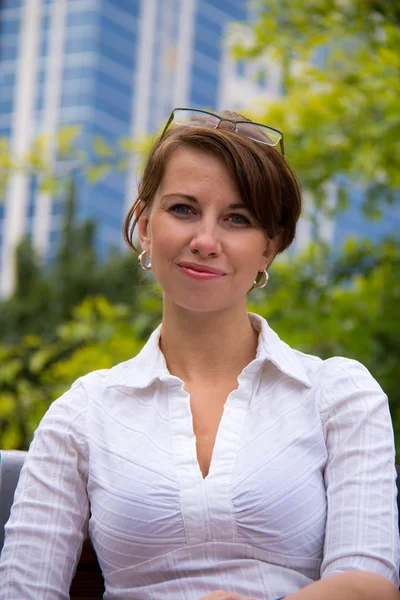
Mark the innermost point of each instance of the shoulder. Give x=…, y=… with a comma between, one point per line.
x=96, y=384
x=345, y=386
x=337, y=374
x=337, y=369
x=69, y=416
x=72, y=405
x=324, y=377
x=341, y=383
x=349, y=400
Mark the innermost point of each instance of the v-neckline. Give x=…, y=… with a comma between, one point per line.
x=215, y=444
x=207, y=422
x=206, y=501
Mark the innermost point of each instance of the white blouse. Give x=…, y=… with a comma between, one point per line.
x=301, y=483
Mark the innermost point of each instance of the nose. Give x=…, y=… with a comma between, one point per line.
x=205, y=242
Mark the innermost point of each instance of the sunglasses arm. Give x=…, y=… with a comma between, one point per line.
x=167, y=124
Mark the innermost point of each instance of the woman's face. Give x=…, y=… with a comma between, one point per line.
x=197, y=220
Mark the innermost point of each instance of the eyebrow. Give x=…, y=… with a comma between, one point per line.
x=194, y=200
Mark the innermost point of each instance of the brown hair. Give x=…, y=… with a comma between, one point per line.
x=267, y=184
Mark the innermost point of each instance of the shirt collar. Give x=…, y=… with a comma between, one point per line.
x=149, y=365
x=272, y=348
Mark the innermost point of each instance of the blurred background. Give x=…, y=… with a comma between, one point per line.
x=85, y=85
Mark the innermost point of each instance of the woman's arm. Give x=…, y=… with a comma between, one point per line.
x=361, y=533
x=353, y=585
x=49, y=516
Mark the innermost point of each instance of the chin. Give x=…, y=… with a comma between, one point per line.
x=199, y=299
x=205, y=304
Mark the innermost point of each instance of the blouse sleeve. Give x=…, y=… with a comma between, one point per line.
x=360, y=475
x=48, y=522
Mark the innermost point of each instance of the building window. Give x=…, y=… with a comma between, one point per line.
x=9, y=26
x=11, y=4
x=8, y=52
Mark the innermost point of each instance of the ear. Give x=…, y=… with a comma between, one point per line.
x=143, y=227
x=272, y=249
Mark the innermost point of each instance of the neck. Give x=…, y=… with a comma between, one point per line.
x=209, y=347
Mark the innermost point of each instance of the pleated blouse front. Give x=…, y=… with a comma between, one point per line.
x=301, y=483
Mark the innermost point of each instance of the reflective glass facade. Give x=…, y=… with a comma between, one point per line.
x=97, y=94
x=98, y=85
x=10, y=25
x=211, y=21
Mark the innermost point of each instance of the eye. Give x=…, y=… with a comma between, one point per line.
x=183, y=210
x=238, y=219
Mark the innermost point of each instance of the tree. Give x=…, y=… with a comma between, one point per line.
x=70, y=159
x=34, y=371
x=341, y=80
x=46, y=295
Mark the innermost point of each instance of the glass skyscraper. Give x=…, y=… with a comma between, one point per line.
x=116, y=68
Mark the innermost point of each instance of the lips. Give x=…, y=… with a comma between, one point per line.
x=202, y=268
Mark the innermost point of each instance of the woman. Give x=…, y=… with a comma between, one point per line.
x=219, y=462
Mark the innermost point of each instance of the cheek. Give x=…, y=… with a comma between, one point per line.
x=250, y=252
x=168, y=238
x=159, y=234
x=165, y=246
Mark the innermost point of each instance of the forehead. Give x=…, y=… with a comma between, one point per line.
x=195, y=169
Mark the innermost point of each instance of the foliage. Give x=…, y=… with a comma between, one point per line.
x=341, y=78
x=54, y=161
x=45, y=296
x=35, y=372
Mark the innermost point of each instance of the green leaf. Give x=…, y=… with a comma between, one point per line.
x=95, y=173
x=101, y=148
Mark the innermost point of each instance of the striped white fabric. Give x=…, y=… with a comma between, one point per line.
x=301, y=483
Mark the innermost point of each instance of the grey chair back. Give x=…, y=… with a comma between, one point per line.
x=88, y=583
x=11, y=462
x=398, y=491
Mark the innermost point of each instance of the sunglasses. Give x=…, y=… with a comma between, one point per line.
x=192, y=117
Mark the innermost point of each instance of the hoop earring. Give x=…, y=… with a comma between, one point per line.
x=141, y=259
x=264, y=283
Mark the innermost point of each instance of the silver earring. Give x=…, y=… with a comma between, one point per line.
x=264, y=283
x=141, y=259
